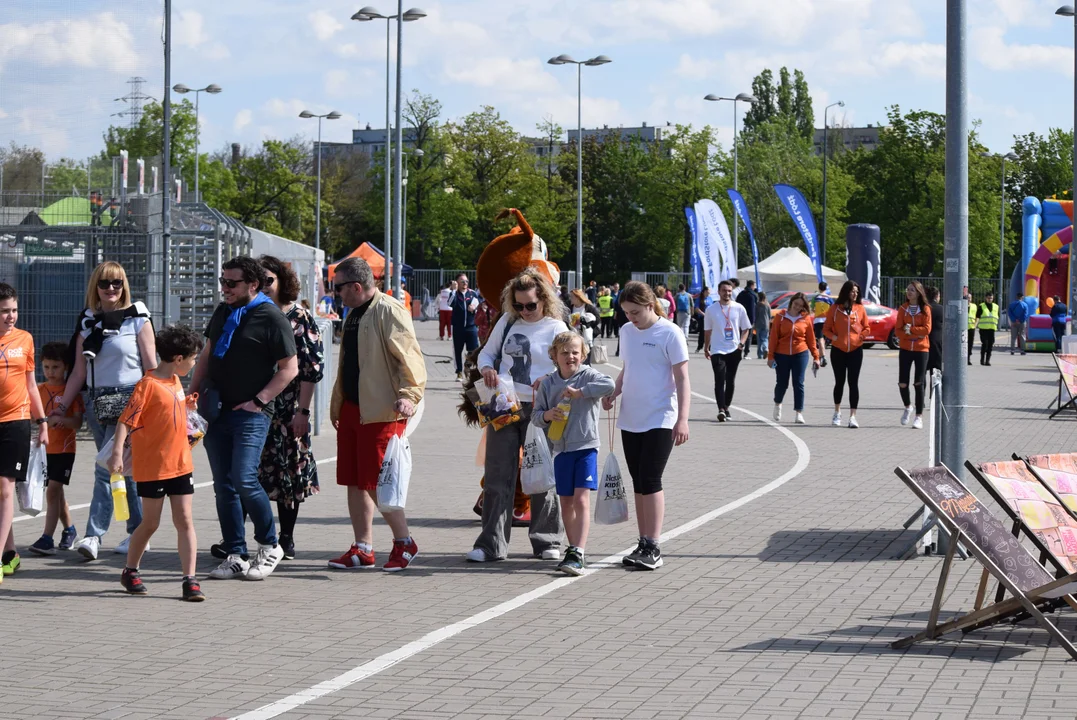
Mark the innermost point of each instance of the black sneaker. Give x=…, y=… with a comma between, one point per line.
x=192, y=591
x=650, y=558
x=632, y=558
x=573, y=563
x=218, y=551
x=132, y=582
x=288, y=546
x=721, y=416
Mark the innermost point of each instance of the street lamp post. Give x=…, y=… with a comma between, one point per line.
x=1068, y=11
x=826, y=133
x=182, y=89
x=417, y=153
x=1002, y=297
x=334, y=115
x=367, y=14
x=742, y=97
x=593, y=62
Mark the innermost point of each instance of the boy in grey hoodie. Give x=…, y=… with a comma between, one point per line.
x=576, y=461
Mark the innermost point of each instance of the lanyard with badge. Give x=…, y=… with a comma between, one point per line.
x=728, y=327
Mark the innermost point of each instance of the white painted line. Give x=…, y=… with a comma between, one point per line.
x=83, y=506
x=436, y=637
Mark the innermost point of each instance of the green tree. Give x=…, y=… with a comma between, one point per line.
x=790, y=101
x=146, y=140
x=273, y=190
x=1044, y=169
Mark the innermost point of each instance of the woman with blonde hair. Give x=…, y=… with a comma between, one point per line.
x=518, y=347
x=114, y=348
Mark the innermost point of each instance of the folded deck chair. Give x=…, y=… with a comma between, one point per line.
x=1067, y=382
x=1035, y=511
x=1000, y=553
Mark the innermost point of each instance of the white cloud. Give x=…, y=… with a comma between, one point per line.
x=337, y=82
x=286, y=108
x=923, y=59
x=189, y=29
x=105, y=42
x=993, y=52
x=243, y=119
x=324, y=25
x=513, y=76
x=693, y=69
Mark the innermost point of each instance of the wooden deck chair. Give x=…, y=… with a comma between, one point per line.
x=1009, y=562
x=1034, y=511
x=1067, y=382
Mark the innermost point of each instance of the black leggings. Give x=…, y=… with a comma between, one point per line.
x=725, y=377
x=646, y=455
x=847, y=364
x=987, y=344
x=287, y=516
x=906, y=360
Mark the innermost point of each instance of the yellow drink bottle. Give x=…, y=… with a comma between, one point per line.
x=119, y=498
x=557, y=427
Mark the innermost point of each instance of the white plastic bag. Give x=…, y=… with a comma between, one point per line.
x=536, y=469
x=611, y=505
x=394, y=475
x=104, y=455
x=31, y=493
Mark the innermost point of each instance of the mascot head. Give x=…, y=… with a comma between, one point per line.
x=509, y=254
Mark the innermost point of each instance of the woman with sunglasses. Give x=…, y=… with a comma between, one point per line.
x=518, y=347
x=114, y=348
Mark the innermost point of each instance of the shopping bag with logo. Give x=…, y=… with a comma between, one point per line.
x=31, y=492
x=395, y=475
x=611, y=505
x=536, y=470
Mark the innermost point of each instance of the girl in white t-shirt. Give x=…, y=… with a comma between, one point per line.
x=654, y=410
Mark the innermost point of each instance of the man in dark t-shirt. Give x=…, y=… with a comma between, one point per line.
x=248, y=359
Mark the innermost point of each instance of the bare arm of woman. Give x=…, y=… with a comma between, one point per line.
x=75, y=381
x=301, y=422
x=609, y=400
x=684, y=402
x=147, y=347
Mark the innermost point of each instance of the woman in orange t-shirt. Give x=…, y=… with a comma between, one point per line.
x=19, y=402
x=791, y=344
x=912, y=329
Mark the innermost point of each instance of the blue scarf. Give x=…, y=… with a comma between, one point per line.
x=232, y=324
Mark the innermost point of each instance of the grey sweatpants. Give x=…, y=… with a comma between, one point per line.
x=502, y=465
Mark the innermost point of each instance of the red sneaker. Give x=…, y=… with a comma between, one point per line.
x=354, y=559
x=521, y=519
x=403, y=553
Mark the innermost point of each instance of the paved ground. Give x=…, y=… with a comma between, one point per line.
x=781, y=607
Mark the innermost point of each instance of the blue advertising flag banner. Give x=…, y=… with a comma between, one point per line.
x=798, y=209
x=742, y=211
x=695, y=283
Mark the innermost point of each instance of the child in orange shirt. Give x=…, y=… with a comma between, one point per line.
x=156, y=420
x=61, y=449
x=19, y=403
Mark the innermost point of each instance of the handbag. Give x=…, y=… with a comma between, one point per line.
x=599, y=355
x=109, y=403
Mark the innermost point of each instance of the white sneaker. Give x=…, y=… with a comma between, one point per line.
x=265, y=562
x=476, y=555
x=800, y=419
x=233, y=566
x=777, y=413
x=88, y=546
x=122, y=548
x=853, y=423
x=551, y=554
x=906, y=416
x=836, y=420
x=918, y=424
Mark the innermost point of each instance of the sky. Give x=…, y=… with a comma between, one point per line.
x=61, y=69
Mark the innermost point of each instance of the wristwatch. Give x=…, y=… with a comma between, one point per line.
x=258, y=403
x=304, y=411
x=41, y=421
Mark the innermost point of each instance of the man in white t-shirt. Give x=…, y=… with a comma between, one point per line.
x=445, y=312
x=726, y=327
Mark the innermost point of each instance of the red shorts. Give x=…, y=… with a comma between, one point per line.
x=361, y=448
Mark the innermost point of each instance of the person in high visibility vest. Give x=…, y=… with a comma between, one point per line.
x=972, y=325
x=605, y=312
x=987, y=322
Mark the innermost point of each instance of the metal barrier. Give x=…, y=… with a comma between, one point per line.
x=323, y=391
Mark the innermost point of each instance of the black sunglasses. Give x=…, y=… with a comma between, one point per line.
x=106, y=284
x=269, y=280
x=340, y=286
x=529, y=307
x=230, y=284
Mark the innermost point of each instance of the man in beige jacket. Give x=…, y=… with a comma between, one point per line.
x=380, y=381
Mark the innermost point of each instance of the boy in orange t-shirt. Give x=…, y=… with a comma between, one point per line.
x=19, y=403
x=156, y=420
x=61, y=449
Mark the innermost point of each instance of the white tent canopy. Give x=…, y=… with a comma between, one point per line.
x=790, y=269
x=304, y=260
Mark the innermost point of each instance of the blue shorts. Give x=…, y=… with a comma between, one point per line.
x=576, y=469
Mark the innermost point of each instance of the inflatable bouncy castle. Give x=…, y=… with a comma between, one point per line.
x=1044, y=270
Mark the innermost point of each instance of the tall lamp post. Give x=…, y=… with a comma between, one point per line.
x=334, y=115
x=1068, y=11
x=182, y=89
x=416, y=153
x=742, y=97
x=367, y=14
x=1002, y=297
x=826, y=134
x=595, y=61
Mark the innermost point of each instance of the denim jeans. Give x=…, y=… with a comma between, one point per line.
x=761, y=341
x=234, y=443
x=101, y=504
x=797, y=366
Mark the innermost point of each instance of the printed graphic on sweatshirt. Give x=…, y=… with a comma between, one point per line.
x=518, y=347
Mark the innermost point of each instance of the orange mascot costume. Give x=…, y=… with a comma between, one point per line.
x=505, y=257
